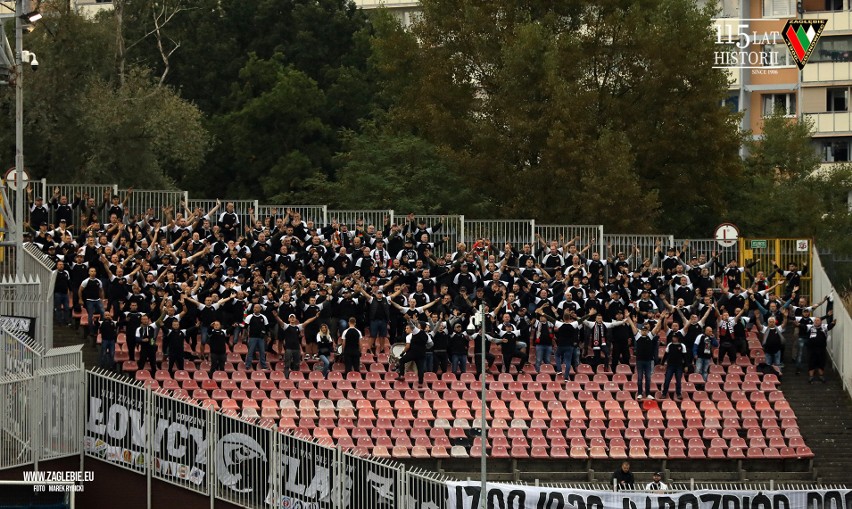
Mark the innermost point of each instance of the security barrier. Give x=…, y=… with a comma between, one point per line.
x=499, y=231
x=783, y=252
x=317, y=214
x=141, y=201
x=90, y=195
x=452, y=227
x=40, y=394
x=366, y=218
x=838, y=345
x=640, y=247
x=241, y=208
x=248, y=462
x=582, y=235
x=706, y=247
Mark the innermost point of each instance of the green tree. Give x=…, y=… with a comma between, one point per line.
x=380, y=170
x=138, y=133
x=785, y=191
x=82, y=123
x=274, y=138
x=570, y=98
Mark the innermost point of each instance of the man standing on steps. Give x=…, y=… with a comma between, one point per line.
x=146, y=335
x=817, y=344
x=91, y=292
x=257, y=329
x=674, y=359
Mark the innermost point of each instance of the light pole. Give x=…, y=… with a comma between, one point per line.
x=19, y=138
x=483, y=436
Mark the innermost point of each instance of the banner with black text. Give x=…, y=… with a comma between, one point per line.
x=466, y=495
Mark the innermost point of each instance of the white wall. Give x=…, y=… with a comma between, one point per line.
x=838, y=347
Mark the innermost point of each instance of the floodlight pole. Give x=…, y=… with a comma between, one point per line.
x=19, y=139
x=483, y=436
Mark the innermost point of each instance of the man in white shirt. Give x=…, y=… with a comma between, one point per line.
x=657, y=485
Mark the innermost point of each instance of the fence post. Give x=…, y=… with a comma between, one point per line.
x=325, y=215
x=390, y=218
x=339, y=471
x=36, y=406
x=275, y=455
x=149, y=442
x=532, y=232
x=402, y=486
x=211, y=455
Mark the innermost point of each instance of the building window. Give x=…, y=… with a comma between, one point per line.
x=775, y=8
x=776, y=54
x=784, y=104
x=837, y=99
x=732, y=102
x=836, y=151
x=834, y=5
x=833, y=49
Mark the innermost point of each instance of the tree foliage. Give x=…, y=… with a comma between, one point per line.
x=570, y=111
x=82, y=122
x=785, y=192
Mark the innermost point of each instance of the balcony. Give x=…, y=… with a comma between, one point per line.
x=830, y=124
x=821, y=72
x=838, y=21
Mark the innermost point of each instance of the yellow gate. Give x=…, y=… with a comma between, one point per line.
x=783, y=252
x=2, y=226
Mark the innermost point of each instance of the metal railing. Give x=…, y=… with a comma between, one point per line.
x=451, y=227
x=144, y=201
x=41, y=394
x=316, y=214
x=645, y=244
x=367, y=218
x=838, y=348
x=499, y=231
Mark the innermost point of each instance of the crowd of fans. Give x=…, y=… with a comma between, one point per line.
x=210, y=279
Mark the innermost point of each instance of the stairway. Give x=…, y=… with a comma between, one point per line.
x=824, y=412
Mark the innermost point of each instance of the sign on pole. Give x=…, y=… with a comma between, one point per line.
x=727, y=234
x=758, y=244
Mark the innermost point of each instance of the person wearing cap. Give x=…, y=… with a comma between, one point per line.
x=292, y=332
x=38, y=211
x=656, y=485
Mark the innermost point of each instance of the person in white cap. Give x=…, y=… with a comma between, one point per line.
x=657, y=485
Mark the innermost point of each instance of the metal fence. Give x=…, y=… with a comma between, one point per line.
x=499, y=231
x=838, y=347
x=218, y=454
x=366, y=218
x=89, y=194
x=141, y=201
x=41, y=417
x=640, y=247
x=251, y=464
x=39, y=190
x=582, y=235
x=241, y=208
x=451, y=227
x=706, y=247
x=316, y=214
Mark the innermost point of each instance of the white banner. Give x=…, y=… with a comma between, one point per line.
x=466, y=495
